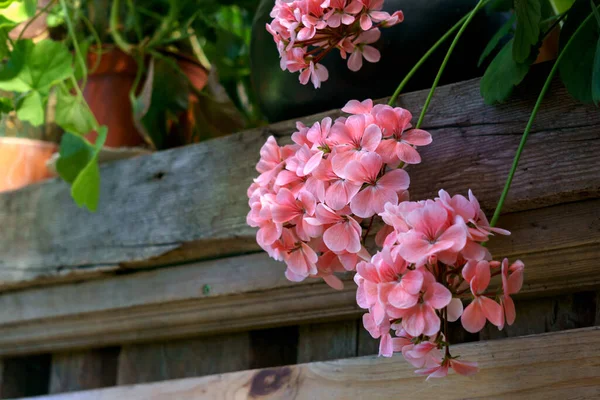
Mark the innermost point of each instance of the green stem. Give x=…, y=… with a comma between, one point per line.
x=36, y=16
x=536, y=108
x=418, y=65
x=464, y=26
x=114, y=28
x=433, y=48
x=71, y=29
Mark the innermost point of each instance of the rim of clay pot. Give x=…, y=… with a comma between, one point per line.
x=28, y=142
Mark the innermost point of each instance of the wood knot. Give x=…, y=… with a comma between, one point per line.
x=269, y=381
x=158, y=176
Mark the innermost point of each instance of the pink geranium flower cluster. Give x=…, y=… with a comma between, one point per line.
x=431, y=262
x=314, y=203
x=312, y=196
x=306, y=30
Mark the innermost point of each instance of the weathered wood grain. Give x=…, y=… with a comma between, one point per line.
x=83, y=370
x=184, y=358
x=327, y=341
x=561, y=365
x=190, y=203
x=548, y=314
x=560, y=246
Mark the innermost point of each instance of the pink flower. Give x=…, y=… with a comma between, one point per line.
x=373, y=13
x=460, y=367
x=270, y=162
x=316, y=73
x=511, y=284
x=379, y=190
x=342, y=232
x=482, y=308
x=399, y=146
x=433, y=232
x=358, y=107
x=422, y=355
x=355, y=137
x=406, y=292
x=421, y=319
x=342, y=13
x=363, y=50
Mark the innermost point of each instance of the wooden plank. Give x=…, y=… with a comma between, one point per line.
x=548, y=314
x=90, y=369
x=562, y=365
x=560, y=246
x=273, y=347
x=189, y=203
x=184, y=358
x=25, y=376
x=329, y=341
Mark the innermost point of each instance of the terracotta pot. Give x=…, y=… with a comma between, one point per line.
x=23, y=161
x=107, y=93
x=549, y=49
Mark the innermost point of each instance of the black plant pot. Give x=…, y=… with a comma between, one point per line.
x=282, y=97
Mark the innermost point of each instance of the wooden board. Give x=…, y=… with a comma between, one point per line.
x=548, y=314
x=327, y=341
x=559, y=244
x=184, y=358
x=190, y=203
x=561, y=365
x=81, y=370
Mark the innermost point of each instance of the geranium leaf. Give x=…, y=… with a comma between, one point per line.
x=493, y=43
x=43, y=64
x=78, y=165
x=31, y=109
x=577, y=65
x=529, y=15
x=503, y=74
x=72, y=114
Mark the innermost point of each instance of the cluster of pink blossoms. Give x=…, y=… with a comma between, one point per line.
x=431, y=262
x=306, y=30
x=314, y=203
x=311, y=196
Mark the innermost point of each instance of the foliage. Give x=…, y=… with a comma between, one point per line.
x=160, y=35
x=535, y=20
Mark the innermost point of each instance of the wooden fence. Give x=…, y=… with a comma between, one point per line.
x=166, y=281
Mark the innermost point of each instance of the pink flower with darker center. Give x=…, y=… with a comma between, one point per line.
x=355, y=137
x=422, y=319
x=362, y=49
x=342, y=232
x=433, y=232
x=379, y=189
x=398, y=142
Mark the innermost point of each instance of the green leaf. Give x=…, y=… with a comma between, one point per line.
x=78, y=165
x=72, y=114
x=31, y=109
x=577, y=65
x=529, y=15
x=44, y=64
x=18, y=11
x=14, y=66
x=503, y=74
x=6, y=105
x=6, y=3
x=74, y=155
x=493, y=43
x=164, y=96
x=500, y=5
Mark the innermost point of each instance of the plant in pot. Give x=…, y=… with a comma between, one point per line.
x=133, y=75
x=315, y=201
